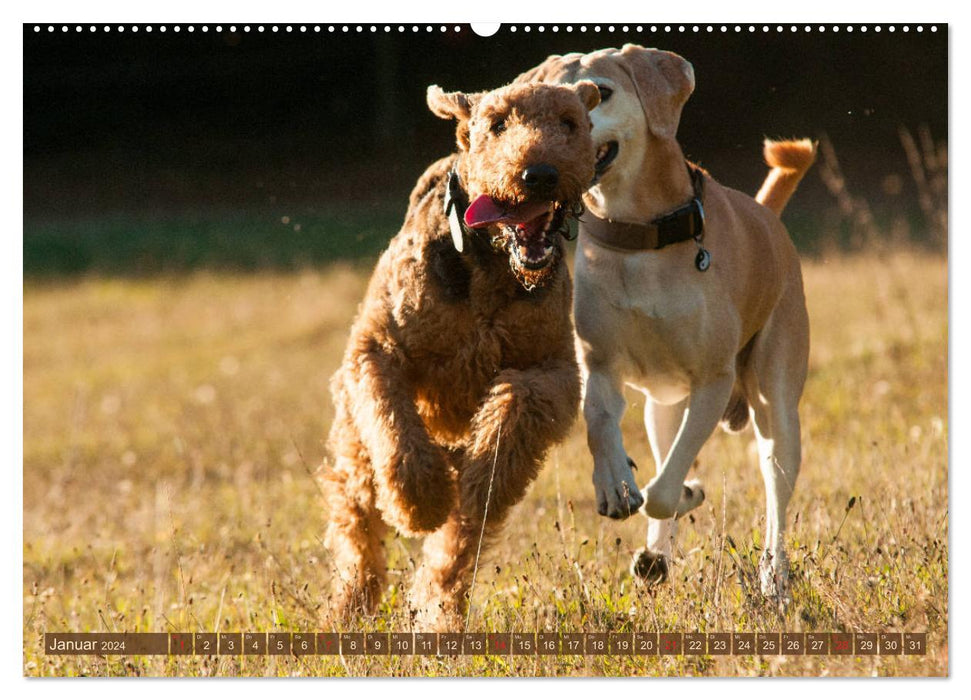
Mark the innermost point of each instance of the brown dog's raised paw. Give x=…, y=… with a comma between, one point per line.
x=424, y=492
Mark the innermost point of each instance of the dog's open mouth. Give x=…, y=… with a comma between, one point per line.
x=528, y=230
x=605, y=156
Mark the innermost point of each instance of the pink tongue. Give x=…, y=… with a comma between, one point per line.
x=484, y=211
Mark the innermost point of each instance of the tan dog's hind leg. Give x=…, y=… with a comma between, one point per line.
x=774, y=381
x=667, y=495
x=526, y=412
x=355, y=528
x=603, y=406
x=777, y=433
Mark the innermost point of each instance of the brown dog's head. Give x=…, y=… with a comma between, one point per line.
x=526, y=158
x=642, y=92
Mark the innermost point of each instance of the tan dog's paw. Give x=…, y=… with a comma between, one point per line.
x=659, y=504
x=649, y=567
x=424, y=492
x=617, y=495
x=774, y=577
x=692, y=496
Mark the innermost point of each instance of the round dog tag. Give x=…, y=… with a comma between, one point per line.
x=703, y=260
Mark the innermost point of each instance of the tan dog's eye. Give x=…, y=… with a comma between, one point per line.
x=570, y=125
x=498, y=126
x=605, y=93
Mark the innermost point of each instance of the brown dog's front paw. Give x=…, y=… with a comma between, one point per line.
x=431, y=505
x=423, y=493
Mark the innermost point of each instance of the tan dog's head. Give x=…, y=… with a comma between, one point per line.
x=642, y=92
x=526, y=158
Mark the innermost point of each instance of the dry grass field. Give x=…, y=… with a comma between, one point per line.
x=172, y=427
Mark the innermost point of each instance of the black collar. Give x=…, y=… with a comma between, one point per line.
x=685, y=223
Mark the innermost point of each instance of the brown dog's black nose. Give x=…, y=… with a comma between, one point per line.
x=541, y=179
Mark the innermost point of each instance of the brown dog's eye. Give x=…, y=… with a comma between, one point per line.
x=605, y=93
x=498, y=126
x=570, y=125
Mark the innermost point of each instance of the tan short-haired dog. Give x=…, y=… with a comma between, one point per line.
x=460, y=372
x=690, y=292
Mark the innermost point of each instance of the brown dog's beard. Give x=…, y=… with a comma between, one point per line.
x=506, y=240
x=529, y=278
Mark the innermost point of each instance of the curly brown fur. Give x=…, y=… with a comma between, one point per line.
x=456, y=364
x=508, y=130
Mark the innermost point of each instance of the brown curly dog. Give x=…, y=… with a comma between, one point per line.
x=460, y=372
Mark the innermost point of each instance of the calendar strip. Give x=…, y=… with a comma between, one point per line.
x=491, y=644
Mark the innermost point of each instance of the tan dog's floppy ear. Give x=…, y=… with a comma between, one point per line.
x=664, y=81
x=588, y=93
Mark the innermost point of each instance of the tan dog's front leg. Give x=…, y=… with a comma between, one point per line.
x=603, y=406
x=667, y=495
x=414, y=486
x=663, y=422
x=526, y=413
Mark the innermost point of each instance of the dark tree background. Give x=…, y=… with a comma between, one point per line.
x=147, y=151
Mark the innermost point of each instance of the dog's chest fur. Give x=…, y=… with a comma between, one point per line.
x=650, y=312
x=453, y=323
x=463, y=319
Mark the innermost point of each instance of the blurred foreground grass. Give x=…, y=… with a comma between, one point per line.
x=171, y=426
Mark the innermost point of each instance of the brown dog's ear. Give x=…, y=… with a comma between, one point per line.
x=664, y=81
x=588, y=93
x=453, y=105
x=450, y=105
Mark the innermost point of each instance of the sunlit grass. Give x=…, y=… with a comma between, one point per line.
x=171, y=428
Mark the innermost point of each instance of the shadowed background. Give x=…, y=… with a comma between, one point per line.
x=158, y=152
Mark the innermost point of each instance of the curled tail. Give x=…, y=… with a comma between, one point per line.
x=789, y=161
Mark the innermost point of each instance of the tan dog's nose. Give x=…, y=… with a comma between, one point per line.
x=541, y=179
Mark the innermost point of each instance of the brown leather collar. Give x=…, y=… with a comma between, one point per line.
x=685, y=223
